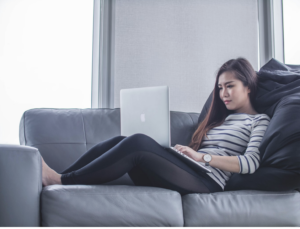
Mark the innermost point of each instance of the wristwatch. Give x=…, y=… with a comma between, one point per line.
x=207, y=158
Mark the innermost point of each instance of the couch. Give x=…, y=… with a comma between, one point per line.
x=60, y=136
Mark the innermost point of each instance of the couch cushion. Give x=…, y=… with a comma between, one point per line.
x=106, y=205
x=242, y=208
x=183, y=126
x=63, y=135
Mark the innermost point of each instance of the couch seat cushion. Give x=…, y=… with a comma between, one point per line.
x=110, y=205
x=242, y=208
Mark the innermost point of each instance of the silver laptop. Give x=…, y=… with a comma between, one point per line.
x=146, y=110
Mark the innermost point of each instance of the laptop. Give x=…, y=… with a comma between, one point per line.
x=146, y=110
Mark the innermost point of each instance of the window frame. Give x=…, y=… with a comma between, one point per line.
x=271, y=37
x=103, y=51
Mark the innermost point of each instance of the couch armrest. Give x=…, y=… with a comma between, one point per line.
x=20, y=185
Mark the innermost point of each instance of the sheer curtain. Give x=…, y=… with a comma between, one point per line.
x=45, y=58
x=291, y=19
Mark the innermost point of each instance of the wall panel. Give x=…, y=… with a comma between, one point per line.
x=180, y=43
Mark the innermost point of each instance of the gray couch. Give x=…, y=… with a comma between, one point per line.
x=62, y=135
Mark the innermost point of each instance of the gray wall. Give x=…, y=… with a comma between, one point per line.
x=180, y=43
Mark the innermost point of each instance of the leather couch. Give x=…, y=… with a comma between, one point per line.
x=63, y=135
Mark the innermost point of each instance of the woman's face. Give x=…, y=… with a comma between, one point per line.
x=233, y=90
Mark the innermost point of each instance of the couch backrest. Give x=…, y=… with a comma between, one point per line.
x=63, y=135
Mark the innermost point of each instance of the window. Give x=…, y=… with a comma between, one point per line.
x=45, y=58
x=291, y=18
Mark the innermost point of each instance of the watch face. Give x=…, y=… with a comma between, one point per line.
x=207, y=158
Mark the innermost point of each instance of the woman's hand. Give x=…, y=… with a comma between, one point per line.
x=190, y=152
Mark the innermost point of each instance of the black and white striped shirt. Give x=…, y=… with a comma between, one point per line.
x=240, y=135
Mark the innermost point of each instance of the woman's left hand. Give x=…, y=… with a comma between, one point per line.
x=189, y=152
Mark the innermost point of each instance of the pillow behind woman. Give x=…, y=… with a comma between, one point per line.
x=278, y=96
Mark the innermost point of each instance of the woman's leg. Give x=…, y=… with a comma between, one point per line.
x=136, y=174
x=161, y=166
x=94, y=153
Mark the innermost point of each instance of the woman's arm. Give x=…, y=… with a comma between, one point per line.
x=248, y=162
x=227, y=163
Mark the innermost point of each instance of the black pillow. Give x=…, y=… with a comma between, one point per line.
x=264, y=179
x=278, y=96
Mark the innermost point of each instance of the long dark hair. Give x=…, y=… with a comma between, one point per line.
x=218, y=112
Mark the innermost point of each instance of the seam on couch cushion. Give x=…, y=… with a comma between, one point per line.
x=240, y=194
x=83, y=129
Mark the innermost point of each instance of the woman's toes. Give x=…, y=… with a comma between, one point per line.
x=46, y=174
x=49, y=176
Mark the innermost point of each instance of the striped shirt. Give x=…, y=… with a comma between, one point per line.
x=240, y=135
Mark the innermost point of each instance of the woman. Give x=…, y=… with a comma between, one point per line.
x=229, y=135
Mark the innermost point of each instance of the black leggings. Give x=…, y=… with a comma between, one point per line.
x=146, y=162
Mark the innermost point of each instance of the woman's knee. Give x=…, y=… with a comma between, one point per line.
x=116, y=139
x=120, y=137
x=139, y=139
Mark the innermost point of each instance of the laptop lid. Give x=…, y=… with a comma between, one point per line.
x=146, y=110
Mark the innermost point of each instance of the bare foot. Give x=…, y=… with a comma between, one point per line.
x=49, y=176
